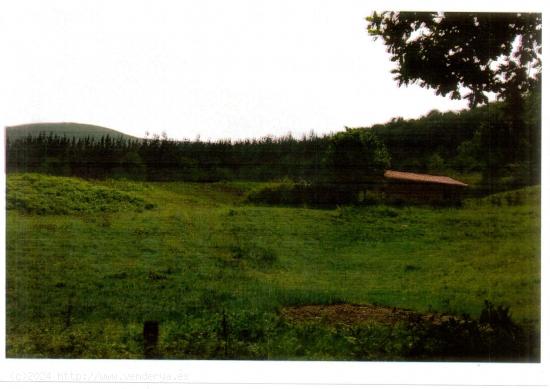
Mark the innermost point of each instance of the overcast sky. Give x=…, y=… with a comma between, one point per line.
x=214, y=68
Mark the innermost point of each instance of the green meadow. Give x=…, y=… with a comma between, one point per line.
x=88, y=262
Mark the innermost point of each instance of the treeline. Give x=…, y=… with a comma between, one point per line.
x=162, y=159
x=347, y=157
x=499, y=140
x=502, y=140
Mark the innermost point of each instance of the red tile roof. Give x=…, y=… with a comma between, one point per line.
x=404, y=176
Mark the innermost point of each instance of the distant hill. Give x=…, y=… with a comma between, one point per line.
x=70, y=130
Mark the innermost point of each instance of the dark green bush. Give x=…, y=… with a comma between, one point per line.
x=494, y=337
x=292, y=193
x=284, y=192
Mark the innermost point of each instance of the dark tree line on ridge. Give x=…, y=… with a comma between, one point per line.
x=482, y=139
x=161, y=159
x=486, y=139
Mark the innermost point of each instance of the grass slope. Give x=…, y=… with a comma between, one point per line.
x=62, y=129
x=215, y=271
x=38, y=194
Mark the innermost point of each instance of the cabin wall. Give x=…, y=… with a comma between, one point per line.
x=422, y=193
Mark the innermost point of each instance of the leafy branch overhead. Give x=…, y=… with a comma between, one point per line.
x=464, y=55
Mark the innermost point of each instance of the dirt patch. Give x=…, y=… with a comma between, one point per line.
x=350, y=314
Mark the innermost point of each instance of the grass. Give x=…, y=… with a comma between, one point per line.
x=214, y=270
x=38, y=194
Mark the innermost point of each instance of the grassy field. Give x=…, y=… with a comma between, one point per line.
x=87, y=267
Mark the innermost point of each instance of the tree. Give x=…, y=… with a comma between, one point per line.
x=356, y=157
x=464, y=55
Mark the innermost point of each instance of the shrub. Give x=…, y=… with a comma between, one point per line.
x=494, y=337
x=301, y=193
x=285, y=192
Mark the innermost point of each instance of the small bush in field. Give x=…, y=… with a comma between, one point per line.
x=303, y=193
x=494, y=337
x=285, y=192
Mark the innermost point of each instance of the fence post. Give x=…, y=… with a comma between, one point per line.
x=150, y=339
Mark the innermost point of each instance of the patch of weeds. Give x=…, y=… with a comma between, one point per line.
x=373, y=197
x=140, y=231
x=118, y=276
x=409, y=268
x=346, y=212
x=46, y=227
x=168, y=271
x=299, y=297
x=237, y=252
x=213, y=298
x=231, y=262
x=262, y=255
x=385, y=212
x=494, y=337
x=162, y=274
x=340, y=212
x=156, y=276
x=254, y=254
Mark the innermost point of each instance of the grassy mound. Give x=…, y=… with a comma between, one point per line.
x=49, y=195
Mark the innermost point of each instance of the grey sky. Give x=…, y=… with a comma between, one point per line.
x=214, y=68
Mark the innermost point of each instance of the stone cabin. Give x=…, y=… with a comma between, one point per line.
x=422, y=188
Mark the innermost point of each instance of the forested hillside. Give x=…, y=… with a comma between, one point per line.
x=69, y=130
x=483, y=140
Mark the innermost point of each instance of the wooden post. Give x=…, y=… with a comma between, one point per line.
x=150, y=339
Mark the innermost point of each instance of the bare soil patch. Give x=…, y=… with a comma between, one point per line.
x=349, y=314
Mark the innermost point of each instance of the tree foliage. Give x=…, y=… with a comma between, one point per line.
x=464, y=55
x=356, y=156
x=161, y=159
